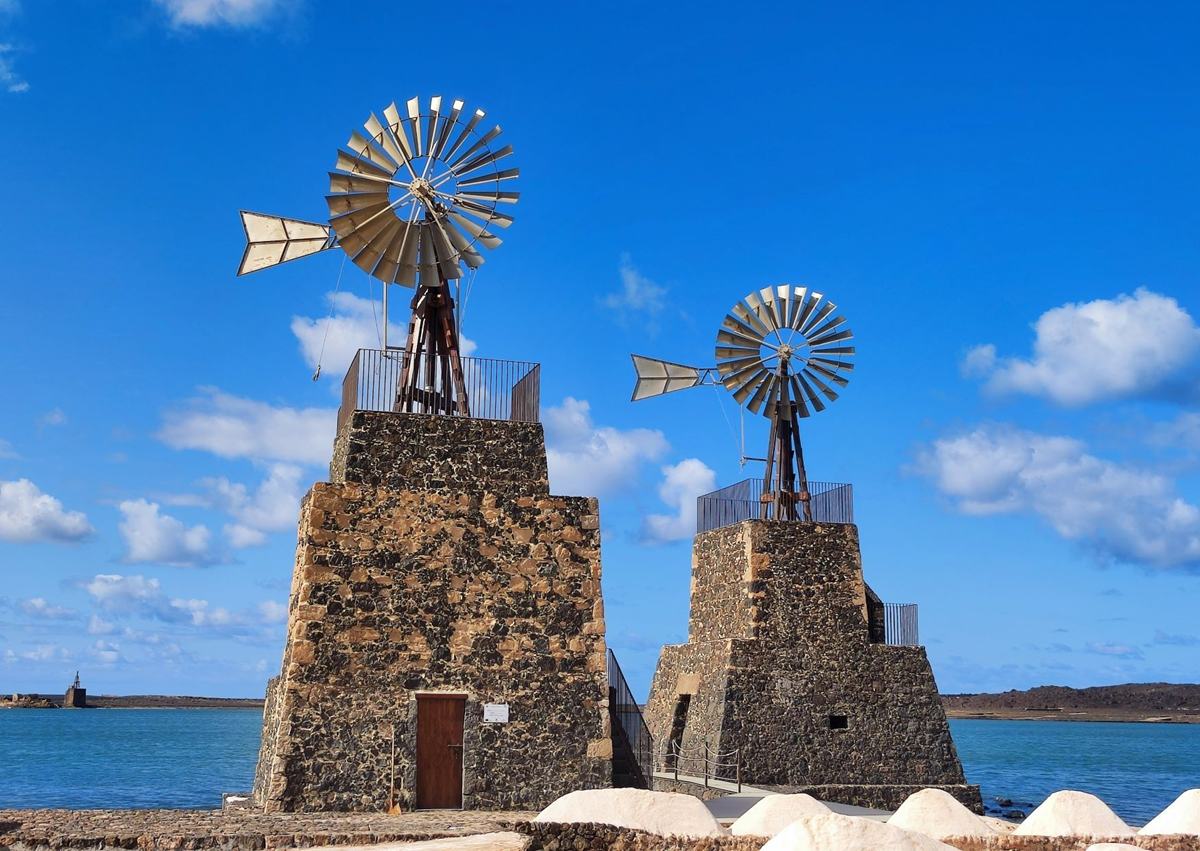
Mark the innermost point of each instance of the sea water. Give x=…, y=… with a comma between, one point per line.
x=185, y=758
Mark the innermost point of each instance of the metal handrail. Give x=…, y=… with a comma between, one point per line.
x=626, y=711
x=711, y=761
x=900, y=625
x=482, y=388
x=829, y=502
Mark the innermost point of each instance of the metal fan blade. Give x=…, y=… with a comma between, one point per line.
x=435, y=108
x=359, y=237
x=829, y=392
x=462, y=246
x=372, y=252
x=414, y=123
x=347, y=203
x=387, y=140
x=389, y=263
x=395, y=126
x=477, y=232
x=359, y=144
x=738, y=327
x=841, y=350
x=478, y=146
x=357, y=165
x=832, y=338
x=496, y=176
x=731, y=366
x=814, y=298
x=733, y=338
x=483, y=212
x=799, y=296
x=783, y=297
x=448, y=124
x=832, y=364
x=447, y=256
x=761, y=311
x=801, y=409
x=813, y=398
x=748, y=317
x=428, y=269
x=724, y=352
x=484, y=159
x=657, y=377
x=347, y=223
x=407, y=276
x=770, y=299
x=503, y=197
x=840, y=381
x=756, y=380
x=356, y=183
x=472, y=122
x=817, y=317
x=827, y=327
x=768, y=386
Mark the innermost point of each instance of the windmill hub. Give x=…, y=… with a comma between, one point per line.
x=422, y=189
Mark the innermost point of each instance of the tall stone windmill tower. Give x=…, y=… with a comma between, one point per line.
x=795, y=674
x=445, y=640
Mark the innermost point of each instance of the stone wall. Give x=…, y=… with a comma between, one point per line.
x=790, y=603
x=423, y=578
x=427, y=452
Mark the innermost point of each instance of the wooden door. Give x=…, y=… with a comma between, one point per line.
x=439, y=751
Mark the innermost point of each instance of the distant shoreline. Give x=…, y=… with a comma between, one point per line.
x=1099, y=716
x=140, y=701
x=1140, y=703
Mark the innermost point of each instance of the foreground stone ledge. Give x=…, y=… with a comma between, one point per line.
x=197, y=830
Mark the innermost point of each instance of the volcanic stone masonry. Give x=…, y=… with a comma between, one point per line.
x=781, y=663
x=436, y=567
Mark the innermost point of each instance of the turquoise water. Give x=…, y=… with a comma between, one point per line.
x=1137, y=769
x=185, y=758
x=126, y=758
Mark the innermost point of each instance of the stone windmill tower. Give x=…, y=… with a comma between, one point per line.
x=445, y=640
x=794, y=673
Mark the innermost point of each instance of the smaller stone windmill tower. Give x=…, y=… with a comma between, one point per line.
x=445, y=639
x=795, y=673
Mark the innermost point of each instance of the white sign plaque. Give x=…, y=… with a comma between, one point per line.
x=495, y=713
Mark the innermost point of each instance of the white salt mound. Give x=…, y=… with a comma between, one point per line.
x=775, y=812
x=1183, y=816
x=660, y=813
x=937, y=813
x=999, y=825
x=1070, y=813
x=835, y=832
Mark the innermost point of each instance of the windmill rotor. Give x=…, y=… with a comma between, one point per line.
x=413, y=200
x=784, y=336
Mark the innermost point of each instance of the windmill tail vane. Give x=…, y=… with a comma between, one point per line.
x=411, y=202
x=780, y=352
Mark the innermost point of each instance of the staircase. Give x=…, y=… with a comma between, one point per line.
x=633, y=748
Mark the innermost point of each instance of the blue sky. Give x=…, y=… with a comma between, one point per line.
x=1000, y=197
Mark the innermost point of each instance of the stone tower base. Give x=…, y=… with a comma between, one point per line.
x=779, y=666
x=436, y=566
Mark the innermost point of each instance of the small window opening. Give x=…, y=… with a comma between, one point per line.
x=839, y=722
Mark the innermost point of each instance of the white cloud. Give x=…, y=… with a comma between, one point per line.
x=273, y=612
x=99, y=626
x=41, y=653
x=9, y=78
x=104, y=652
x=160, y=538
x=1144, y=346
x=1108, y=648
x=273, y=507
x=234, y=427
x=206, y=13
x=1119, y=511
x=1182, y=432
x=28, y=515
x=354, y=324
x=142, y=597
x=592, y=461
x=201, y=614
x=135, y=594
x=38, y=607
x=639, y=297
x=6, y=450
x=682, y=484
x=57, y=417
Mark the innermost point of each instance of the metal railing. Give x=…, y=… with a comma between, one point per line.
x=900, y=625
x=831, y=502
x=707, y=763
x=490, y=389
x=624, y=708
